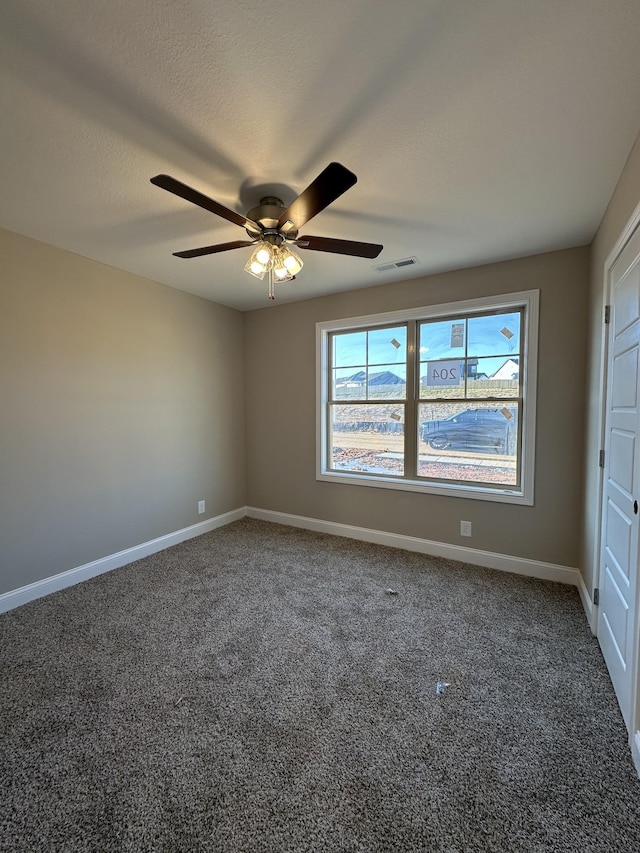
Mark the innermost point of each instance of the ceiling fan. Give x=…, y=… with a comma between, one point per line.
x=273, y=229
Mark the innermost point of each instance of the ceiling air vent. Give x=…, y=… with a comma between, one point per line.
x=394, y=265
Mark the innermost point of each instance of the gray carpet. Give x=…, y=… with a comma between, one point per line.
x=259, y=689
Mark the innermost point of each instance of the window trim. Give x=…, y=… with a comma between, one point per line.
x=527, y=299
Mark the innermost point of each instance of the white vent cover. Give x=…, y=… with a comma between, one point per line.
x=394, y=265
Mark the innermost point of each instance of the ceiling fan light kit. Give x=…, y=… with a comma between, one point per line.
x=279, y=262
x=273, y=229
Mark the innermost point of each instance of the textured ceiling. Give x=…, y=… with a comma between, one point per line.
x=478, y=130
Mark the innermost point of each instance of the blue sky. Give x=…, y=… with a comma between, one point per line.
x=493, y=339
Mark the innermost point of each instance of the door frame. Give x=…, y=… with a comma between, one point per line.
x=634, y=734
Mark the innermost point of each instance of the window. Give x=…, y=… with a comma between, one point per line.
x=439, y=399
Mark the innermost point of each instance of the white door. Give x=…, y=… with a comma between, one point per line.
x=621, y=488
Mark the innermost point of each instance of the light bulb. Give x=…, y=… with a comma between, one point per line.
x=254, y=267
x=292, y=262
x=263, y=255
x=278, y=264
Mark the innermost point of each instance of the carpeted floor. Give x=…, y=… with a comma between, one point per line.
x=259, y=689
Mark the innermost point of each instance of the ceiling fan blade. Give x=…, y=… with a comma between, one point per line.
x=212, y=250
x=327, y=187
x=339, y=247
x=166, y=182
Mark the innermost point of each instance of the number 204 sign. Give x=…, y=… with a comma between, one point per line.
x=444, y=372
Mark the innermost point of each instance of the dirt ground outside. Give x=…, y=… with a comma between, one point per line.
x=383, y=454
x=395, y=444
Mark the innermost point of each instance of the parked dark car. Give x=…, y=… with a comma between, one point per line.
x=473, y=429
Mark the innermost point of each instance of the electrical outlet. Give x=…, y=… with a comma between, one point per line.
x=465, y=528
x=201, y=508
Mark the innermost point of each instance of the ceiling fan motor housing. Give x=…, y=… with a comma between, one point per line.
x=267, y=214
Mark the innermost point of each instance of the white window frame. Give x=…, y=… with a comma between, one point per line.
x=530, y=301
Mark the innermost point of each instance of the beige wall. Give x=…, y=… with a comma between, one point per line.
x=120, y=407
x=281, y=413
x=623, y=202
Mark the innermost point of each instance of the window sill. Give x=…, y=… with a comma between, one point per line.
x=452, y=490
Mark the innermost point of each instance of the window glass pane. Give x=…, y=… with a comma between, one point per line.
x=387, y=381
x=493, y=377
x=469, y=443
x=494, y=334
x=367, y=438
x=444, y=378
x=349, y=383
x=349, y=349
x=442, y=339
x=388, y=346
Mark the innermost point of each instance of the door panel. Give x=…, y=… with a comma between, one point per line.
x=623, y=448
x=616, y=614
x=618, y=541
x=628, y=308
x=625, y=371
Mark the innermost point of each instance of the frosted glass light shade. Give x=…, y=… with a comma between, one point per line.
x=292, y=262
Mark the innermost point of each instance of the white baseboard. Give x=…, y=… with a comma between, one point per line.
x=17, y=597
x=487, y=559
